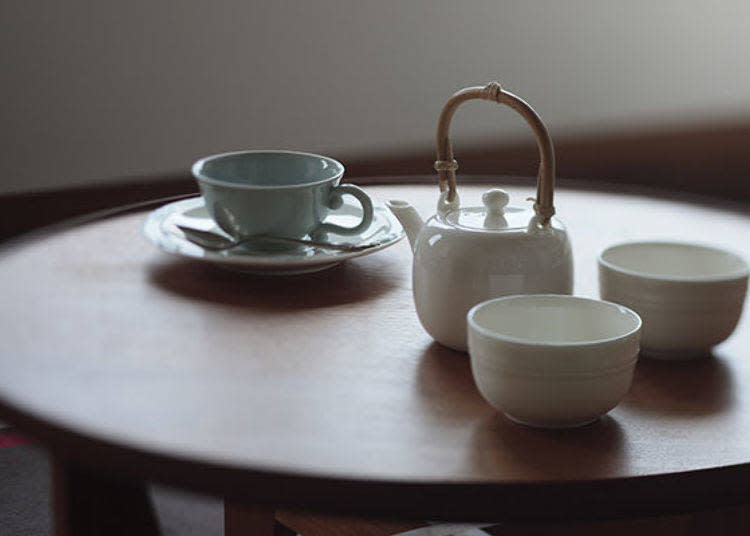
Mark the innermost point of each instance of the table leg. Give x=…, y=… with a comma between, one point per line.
x=86, y=503
x=242, y=520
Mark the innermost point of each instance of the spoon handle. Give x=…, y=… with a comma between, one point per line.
x=313, y=243
x=217, y=242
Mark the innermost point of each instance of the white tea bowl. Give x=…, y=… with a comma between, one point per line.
x=552, y=361
x=689, y=296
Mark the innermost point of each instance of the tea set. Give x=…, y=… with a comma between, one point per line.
x=494, y=280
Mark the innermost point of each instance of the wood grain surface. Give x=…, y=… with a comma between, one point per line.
x=323, y=391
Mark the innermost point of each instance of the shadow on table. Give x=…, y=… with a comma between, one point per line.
x=445, y=386
x=503, y=449
x=342, y=284
x=681, y=388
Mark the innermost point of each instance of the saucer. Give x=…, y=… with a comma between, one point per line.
x=161, y=229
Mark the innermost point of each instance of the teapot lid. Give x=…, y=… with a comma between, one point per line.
x=495, y=215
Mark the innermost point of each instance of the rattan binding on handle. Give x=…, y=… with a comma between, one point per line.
x=446, y=165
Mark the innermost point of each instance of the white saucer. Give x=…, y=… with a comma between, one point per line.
x=161, y=229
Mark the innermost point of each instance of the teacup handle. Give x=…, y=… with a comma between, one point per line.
x=336, y=201
x=446, y=165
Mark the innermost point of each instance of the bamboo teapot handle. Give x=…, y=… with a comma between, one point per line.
x=446, y=165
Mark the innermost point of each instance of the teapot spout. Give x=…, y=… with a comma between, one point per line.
x=409, y=218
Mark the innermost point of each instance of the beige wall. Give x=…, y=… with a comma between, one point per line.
x=99, y=90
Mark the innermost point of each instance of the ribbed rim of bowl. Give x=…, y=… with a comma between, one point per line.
x=537, y=374
x=551, y=344
x=740, y=274
x=197, y=167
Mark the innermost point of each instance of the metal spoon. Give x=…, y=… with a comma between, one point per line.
x=218, y=242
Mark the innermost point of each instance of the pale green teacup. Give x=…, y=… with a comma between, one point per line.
x=276, y=193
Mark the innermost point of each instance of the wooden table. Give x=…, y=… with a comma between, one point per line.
x=323, y=392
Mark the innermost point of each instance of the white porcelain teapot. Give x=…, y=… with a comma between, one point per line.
x=465, y=255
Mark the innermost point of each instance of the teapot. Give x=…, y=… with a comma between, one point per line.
x=466, y=255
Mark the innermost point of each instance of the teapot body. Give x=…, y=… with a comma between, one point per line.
x=465, y=255
x=454, y=269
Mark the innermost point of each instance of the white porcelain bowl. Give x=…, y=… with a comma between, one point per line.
x=689, y=296
x=552, y=361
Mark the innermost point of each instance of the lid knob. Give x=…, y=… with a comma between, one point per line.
x=495, y=201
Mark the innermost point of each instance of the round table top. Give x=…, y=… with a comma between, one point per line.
x=323, y=391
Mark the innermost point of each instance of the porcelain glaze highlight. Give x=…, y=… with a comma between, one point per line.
x=456, y=267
